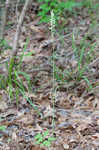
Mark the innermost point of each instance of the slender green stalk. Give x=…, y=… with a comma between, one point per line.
x=52, y=22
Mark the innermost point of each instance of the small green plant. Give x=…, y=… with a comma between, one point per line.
x=14, y=82
x=14, y=78
x=82, y=57
x=52, y=29
x=4, y=45
x=18, y=85
x=43, y=139
x=83, y=54
x=59, y=8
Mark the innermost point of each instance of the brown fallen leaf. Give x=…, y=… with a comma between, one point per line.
x=33, y=147
x=3, y=106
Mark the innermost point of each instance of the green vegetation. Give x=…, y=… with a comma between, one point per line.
x=44, y=139
x=62, y=8
x=59, y=8
x=83, y=58
x=4, y=45
x=83, y=54
x=14, y=81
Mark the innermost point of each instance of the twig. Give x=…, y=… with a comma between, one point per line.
x=93, y=63
x=15, y=43
x=12, y=4
x=19, y=27
x=4, y=61
x=4, y=15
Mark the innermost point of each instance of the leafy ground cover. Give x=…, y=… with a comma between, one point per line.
x=52, y=99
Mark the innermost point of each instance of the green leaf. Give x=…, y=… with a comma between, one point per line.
x=54, y=4
x=38, y=136
x=40, y=0
x=46, y=133
x=2, y=128
x=88, y=82
x=51, y=139
x=43, y=6
x=46, y=143
x=47, y=0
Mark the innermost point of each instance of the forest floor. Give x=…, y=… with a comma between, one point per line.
x=73, y=113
